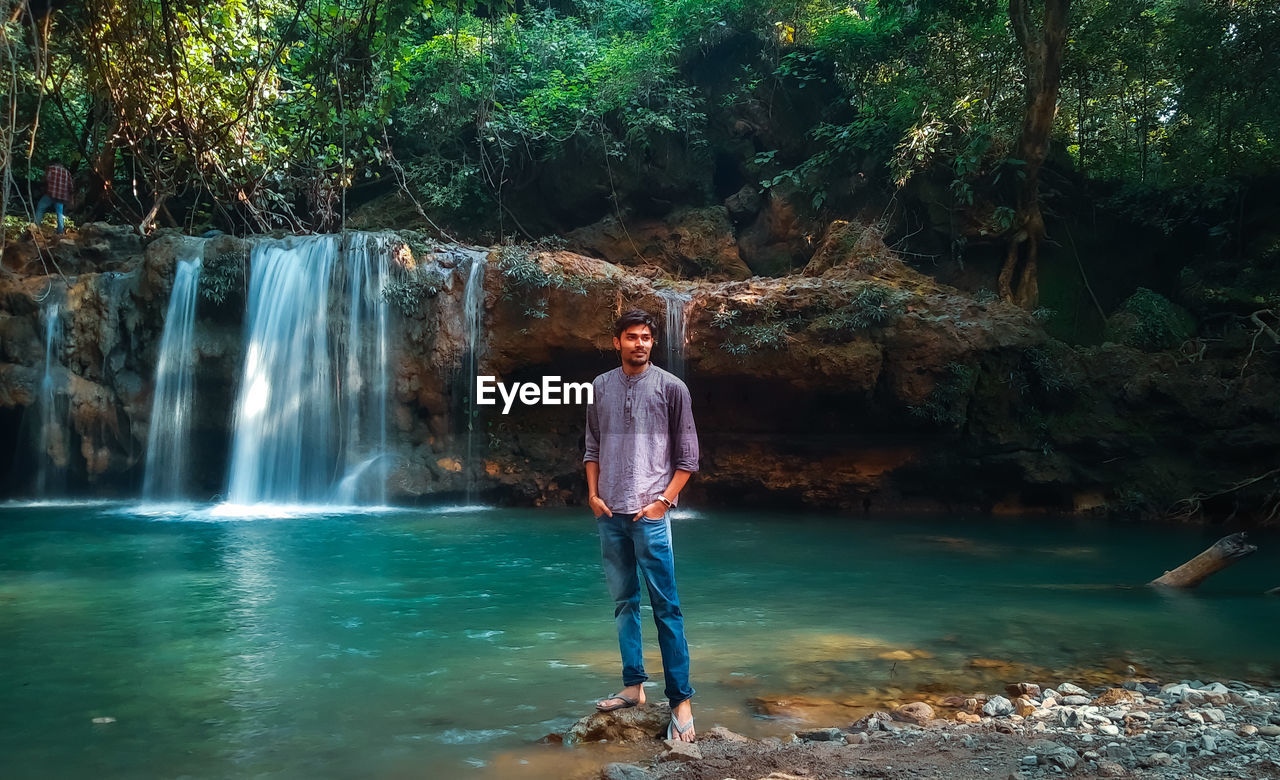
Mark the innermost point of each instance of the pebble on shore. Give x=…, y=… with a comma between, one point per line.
x=1163, y=731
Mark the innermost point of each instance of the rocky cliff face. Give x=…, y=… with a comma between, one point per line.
x=855, y=383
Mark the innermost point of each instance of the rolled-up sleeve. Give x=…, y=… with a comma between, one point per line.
x=592, y=454
x=684, y=434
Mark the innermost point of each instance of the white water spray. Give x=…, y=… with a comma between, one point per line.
x=168, y=439
x=310, y=420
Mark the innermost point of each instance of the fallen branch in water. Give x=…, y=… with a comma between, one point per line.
x=1222, y=554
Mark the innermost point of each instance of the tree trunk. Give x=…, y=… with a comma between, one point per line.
x=1222, y=554
x=1042, y=52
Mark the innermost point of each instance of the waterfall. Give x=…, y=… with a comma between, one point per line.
x=54, y=438
x=677, y=316
x=310, y=419
x=172, y=405
x=473, y=315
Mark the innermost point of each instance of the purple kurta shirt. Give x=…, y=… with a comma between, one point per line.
x=640, y=430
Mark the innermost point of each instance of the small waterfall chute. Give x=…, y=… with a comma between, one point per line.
x=172, y=406
x=53, y=437
x=473, y=316
x=677, y=318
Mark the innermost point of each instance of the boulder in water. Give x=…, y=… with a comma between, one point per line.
x=632, y=724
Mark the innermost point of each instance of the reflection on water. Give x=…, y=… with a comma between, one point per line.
x=309, y=642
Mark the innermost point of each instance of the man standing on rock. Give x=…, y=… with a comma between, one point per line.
x=641, y=449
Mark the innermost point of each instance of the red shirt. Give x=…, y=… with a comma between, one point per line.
x=58, y=184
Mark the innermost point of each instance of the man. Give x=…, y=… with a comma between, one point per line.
x=59, y=190
x=641, y=449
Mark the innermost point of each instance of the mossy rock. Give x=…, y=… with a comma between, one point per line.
x=1149, y=321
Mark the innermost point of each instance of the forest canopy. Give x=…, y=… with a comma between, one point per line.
x=261, y=114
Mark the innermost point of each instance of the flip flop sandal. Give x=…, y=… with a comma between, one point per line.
x=627, y=701
x=680, y=730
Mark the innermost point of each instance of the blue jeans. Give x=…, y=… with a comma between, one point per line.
x=645, y=544
x=43, y=206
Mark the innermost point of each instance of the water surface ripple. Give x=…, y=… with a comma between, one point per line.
x=389, y=643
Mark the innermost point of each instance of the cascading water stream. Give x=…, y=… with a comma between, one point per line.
x=677, y=319
x=54, y=438
x=310, y=420
x=473, y=315
x=171, y=407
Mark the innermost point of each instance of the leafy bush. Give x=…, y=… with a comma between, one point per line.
x=526, y=282
x=874, y=305
x=409, y=292
x=946, y=405
x=1149, y=321
x=222, y=275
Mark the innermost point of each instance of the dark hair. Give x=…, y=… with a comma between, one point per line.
x=635, y=317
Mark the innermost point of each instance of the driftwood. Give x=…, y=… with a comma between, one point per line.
x=1222, y=554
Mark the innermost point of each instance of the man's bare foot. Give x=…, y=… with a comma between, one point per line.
x=682, y=721
x=633, y=692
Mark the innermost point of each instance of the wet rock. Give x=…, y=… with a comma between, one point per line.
x=876, y=721
x=744, y=204
x=617, y=771
x=722, y=733
x=1110, y=769
x=1114, y=696
x=680, y=751
x=916, y=712
x=1030, y=690
x=997, y=706
x=1176, y=748
x=1071, y=689
x=697, y=241
x=778, y=239
x=821, y=735
x=1155, y=760
x=1049, y=753
x=1118, y=752
x=1270, y=730
x=1024, y=706
x=633, y=724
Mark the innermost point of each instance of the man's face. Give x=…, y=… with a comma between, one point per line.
x=635, y=344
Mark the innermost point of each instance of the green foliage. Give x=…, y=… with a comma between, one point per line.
x=526, y=282
x=409, y=292
x=221, y=275
x=1051, y=367
x=947, y=404
x=275, y=110
x=762, y=328
x=1149, y=321
x=874, y=305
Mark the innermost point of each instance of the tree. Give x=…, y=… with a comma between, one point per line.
x=1042, y=52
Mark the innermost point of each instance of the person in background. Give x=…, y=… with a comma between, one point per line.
x=59, y=190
